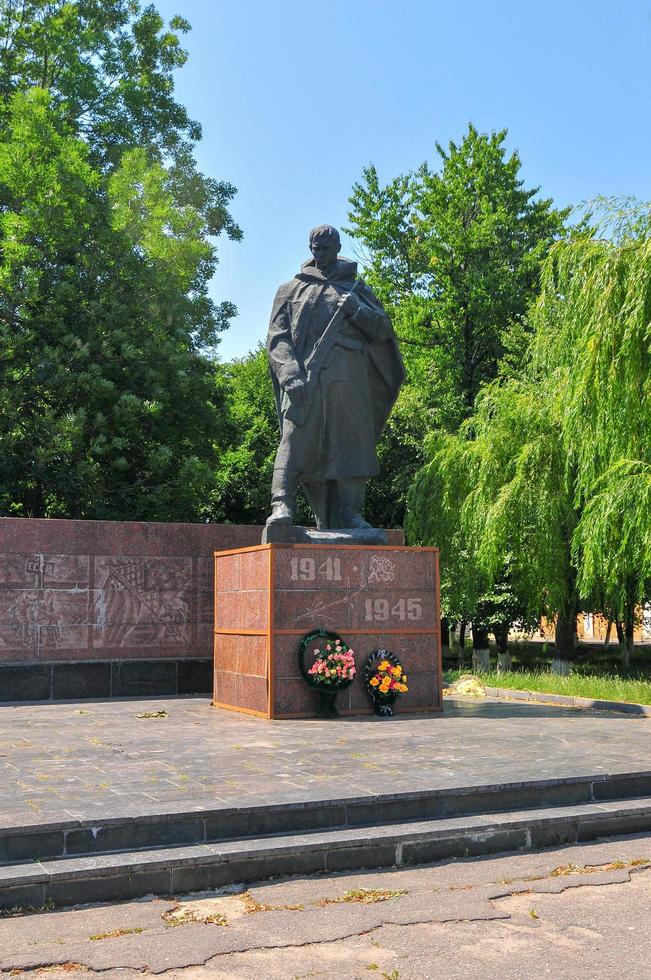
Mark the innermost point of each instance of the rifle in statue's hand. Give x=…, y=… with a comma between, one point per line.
x=297, y=411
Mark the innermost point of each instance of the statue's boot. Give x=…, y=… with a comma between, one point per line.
x=281, y=513
x=316, y=492
x=284, y=485
x=351, y=502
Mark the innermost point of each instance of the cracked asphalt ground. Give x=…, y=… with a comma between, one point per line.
x=573, y=912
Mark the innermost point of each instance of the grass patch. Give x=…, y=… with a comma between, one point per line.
x=152, y=714
x=600, y=687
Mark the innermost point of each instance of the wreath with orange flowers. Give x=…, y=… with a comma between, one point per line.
x=385, y=680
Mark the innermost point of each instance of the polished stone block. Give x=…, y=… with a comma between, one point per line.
x=267, y=598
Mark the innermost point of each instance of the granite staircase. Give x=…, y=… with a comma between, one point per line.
x=173, y=853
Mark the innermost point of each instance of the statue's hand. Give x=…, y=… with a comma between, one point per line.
x=296, y=392
x=350, y=304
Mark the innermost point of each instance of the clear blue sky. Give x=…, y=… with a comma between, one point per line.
x=296, y=98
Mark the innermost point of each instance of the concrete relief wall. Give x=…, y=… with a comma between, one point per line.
x=103, y=590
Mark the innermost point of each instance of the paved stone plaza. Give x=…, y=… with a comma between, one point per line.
x=83, y=760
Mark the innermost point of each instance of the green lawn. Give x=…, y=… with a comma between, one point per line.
x=606, y=687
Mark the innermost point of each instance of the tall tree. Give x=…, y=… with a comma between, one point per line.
x=593, y=330
x=557, y=463
x=108, y=67
x=107, y=232
x=454, y=253
x=489, y=496
x=108, y=406
x=107, y=64
x=247, y=443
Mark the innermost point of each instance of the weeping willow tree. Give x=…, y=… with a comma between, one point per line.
x=486, y=573
x=434, y=517
x=556, y=464
x=592, y=326
x=520, y=512
x=498, y=499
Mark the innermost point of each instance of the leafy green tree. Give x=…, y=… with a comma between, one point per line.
x=107, y=65
x=455, y=254
x=484, y=577
x=520, y=512
x=434, y=516
x=593, y=331
x=556, y=464
x=108, y=406
x=400, y=456
x=109, y=402
x=248, y=442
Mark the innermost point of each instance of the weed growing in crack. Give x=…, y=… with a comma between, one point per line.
x=367, y=896
x=171, y=919
x=565, y=870
x=589, y=869
x=69, y=967
x=252, y=905
x=116, y=933
x=47, y=906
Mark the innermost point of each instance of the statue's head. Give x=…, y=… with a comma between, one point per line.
x=324, y=246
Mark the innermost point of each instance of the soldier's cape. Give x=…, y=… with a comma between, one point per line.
x=291, y=310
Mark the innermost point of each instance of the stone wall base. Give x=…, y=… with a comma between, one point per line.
x=104, y=679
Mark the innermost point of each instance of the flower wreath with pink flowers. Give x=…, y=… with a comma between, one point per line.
x=325, y=660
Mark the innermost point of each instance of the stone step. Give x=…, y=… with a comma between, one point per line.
x=207, y=822
x=182, y=869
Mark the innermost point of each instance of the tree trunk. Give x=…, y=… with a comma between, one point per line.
x=629, y=636
x=445, y=632
x=501, y=634
x=623, y=645
x=504, y=663
x=480, y=649
x=462, y=644
x=608, y=631
x=630, y=645
x=565, y=635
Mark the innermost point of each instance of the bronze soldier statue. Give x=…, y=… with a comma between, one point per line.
x=336, y=370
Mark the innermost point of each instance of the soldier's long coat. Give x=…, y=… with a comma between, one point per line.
x=358, y=383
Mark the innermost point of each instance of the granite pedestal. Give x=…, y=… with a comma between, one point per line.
x=268, y=597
